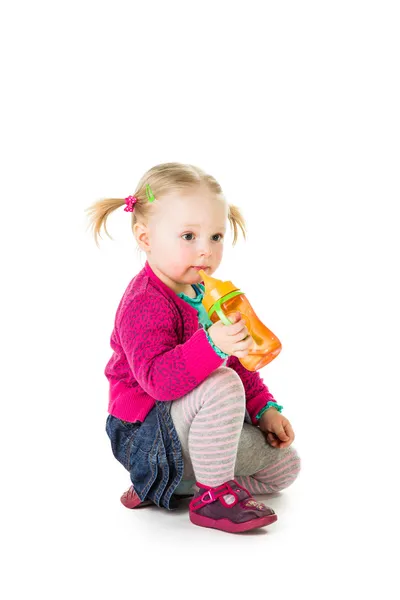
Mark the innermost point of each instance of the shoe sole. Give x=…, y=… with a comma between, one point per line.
x=226, y=525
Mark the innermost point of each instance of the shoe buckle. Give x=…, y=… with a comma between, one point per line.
x=212, y=498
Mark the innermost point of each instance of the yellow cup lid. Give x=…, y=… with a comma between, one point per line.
x=215, y=289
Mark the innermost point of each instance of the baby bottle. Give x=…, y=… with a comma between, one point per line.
x=223, y=298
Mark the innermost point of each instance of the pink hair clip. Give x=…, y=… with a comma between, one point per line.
x=130, y=202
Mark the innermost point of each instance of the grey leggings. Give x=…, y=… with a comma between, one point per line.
x=217, y=444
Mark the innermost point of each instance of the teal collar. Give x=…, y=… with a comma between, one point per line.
x=199, y=294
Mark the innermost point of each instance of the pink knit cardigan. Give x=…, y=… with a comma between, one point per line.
x=161, y=352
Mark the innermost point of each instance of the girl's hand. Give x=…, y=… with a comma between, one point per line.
x=277, y=429
x=232, y=339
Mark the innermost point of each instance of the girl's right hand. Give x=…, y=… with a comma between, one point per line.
x=232, y=339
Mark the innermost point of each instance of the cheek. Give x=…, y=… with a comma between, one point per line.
x=180, y=258
x=185, y=250
x=219, y=251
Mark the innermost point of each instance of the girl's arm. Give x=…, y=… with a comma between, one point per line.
x=165, y=369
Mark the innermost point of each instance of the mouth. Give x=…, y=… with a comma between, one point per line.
x=200, y=268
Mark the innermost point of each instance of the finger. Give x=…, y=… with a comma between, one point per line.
x=237, y=328
x=241, y=344
x=236, y=339
x=289, y=431
x=271, y=438
x=284, y=444
x=281, y=433
x=243, y=340
x=235, y=317
x=238, y=334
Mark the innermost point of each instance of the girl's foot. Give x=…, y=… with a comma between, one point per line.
x=235, y=513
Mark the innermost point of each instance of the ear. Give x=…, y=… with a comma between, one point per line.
x=142, y=235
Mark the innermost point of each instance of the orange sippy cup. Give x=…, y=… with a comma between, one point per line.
x=222, y=298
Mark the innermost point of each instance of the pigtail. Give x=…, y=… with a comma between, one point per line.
x=98, y=214
x=236, y=220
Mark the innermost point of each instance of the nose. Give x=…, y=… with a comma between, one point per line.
x=205, y=251
x=205, y=248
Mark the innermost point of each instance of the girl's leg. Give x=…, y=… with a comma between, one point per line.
x=262, y=469
x=209, y=421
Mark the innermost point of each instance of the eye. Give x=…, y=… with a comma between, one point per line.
x=216, y=235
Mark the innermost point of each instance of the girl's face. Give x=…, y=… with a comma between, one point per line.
x=187, y=230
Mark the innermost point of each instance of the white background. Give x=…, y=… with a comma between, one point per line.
x=294, y=108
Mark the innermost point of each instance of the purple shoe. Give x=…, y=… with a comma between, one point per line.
x=209, y=509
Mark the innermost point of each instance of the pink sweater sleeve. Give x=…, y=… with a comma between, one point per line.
x=165, y=369
x=257, y=393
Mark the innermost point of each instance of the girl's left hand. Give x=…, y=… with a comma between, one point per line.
x=277, y=428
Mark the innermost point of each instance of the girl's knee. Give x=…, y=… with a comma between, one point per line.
x=226, y=376
x=291, y=469
x=224, y=387
x=295, y=460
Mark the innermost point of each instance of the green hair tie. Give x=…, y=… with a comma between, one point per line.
x=149, y=193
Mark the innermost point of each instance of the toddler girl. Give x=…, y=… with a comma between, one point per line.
x=185, y=417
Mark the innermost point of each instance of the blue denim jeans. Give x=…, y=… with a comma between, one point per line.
x=151, y=452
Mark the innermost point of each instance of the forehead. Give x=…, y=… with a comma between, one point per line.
x=198, y=208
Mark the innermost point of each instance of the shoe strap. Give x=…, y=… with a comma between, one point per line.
x=211, y=495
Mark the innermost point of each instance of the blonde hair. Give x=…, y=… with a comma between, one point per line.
x=162, y=179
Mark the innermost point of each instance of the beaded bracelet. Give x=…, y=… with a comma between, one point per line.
x=278, y=407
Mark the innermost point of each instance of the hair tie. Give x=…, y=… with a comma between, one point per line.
x=131, y=200
x=130, y=203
